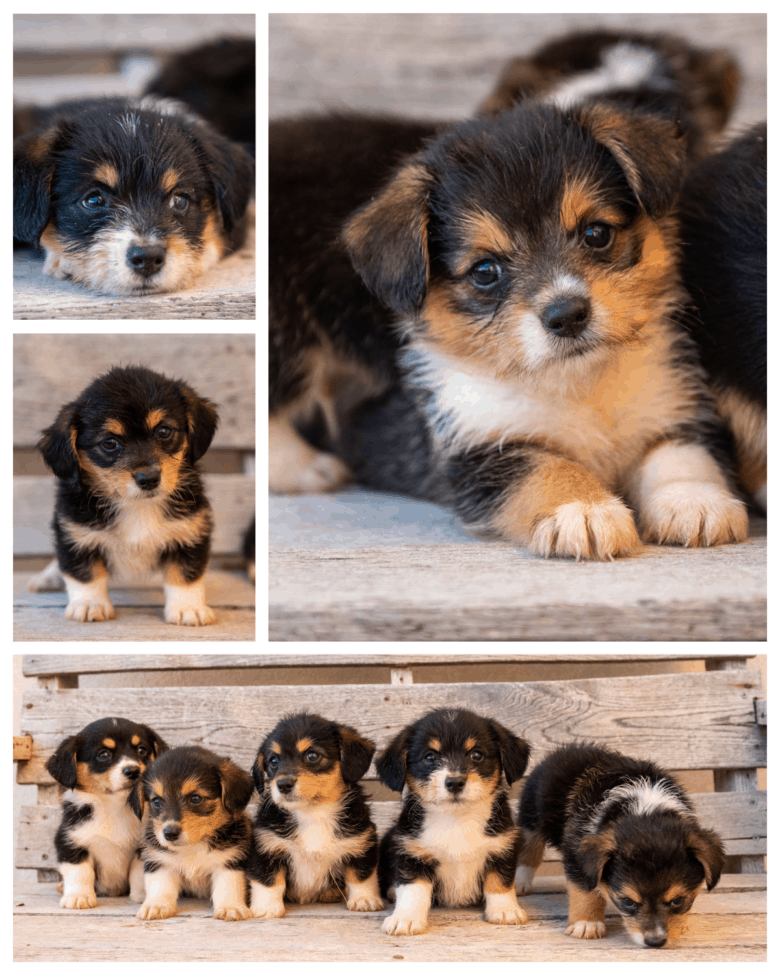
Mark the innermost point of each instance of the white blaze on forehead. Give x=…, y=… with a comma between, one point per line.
x=622, y=66
x=641, y=797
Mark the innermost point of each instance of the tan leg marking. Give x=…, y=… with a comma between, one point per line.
x=501, y=905
x=586, y=913
x=89, y=601
x=531, y=856
x=363, y=895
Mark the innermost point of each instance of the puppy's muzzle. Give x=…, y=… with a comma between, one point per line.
x=285, y=784
x=146, y=259
x=455, y=784
x=566, y=317
x=171, y=832
x=131, y=772
x=148, y=478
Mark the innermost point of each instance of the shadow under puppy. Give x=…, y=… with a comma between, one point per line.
x=196, y=835
x=628, y=835
x=313, y=835
x=99, y=835
x=130, y=197
x=129, y=498
x=455, y=843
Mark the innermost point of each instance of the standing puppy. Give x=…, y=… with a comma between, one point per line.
x=313, y=833
x=196, y=834
x=455, y=842
x=628, y=835
x=98, y=838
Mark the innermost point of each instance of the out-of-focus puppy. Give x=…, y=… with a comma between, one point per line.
x=196, y=835
x=313, y=835
x=628, y=835
x=455, y=843
x=98, y=838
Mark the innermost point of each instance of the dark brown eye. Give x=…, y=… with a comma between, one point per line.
x=598, y=235
x=484, y=274
x=104, y=755
x=476, y=756
x=110, y=445
x=179, y=202
x=94, y=201
x=164, y=433
x=196, y=800
x=312, y=756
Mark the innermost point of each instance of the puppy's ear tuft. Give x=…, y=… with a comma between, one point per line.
x=514, y=752
x=356, y=754
x=391, y=764
x=58, y=445
x=61, y=766
x=387, y=240
x=237, y=786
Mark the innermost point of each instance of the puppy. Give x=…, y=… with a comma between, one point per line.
x=658, y=73
x=98, y=838
x=628, y=835
x=724, y=266
x=129, y=497
x=129, y=197
x=196, y=836
x=455, y=843
x=313, y=834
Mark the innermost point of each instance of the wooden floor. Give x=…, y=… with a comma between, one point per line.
x=728, y=924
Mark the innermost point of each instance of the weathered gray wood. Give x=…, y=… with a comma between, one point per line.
x=683, y=721
x=728, y=924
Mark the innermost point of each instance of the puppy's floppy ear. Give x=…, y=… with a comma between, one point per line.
x=58, y=445
x=514, y=752
x=650, y=150
x=257, y=771
x=137, y=799
x=356, y=754
x=61, y=766
x=158, y=745
x=594, y=852
x=33, y=168
x=391, y=764
x=202, y=419
x=387, y=239
x=232, y=172
x=705, y=846
x=237, y=786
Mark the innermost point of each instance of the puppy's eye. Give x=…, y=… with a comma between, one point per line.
x=94, y=201
x=273, y=762
x=179, y=203
x=312, y=756
x=141, y=751
x=675, y=903
x=628, y=905
x=110, y=445
x=156, y=803
x=598, y=235
x=195, y=800
x=485, y=273
x=164, y=433
x=104, y=755
x=430, y=757
x=476, y=755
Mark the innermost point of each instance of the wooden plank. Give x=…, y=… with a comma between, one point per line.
x=723, y=926
x=682, y=721
x=739, y=818
x=22, y=748
x=36, y=665
x=495, y=591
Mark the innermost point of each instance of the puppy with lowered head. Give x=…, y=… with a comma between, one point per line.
x=196, y=835
x=455, y=843
x=313, y=835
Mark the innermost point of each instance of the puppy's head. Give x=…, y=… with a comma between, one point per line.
x=132, y=435
x=452, y=756
x=651, y=867
x=529, y=244
x=308, y=760
x=189, y=794
x=129, y=197
x=107, y=756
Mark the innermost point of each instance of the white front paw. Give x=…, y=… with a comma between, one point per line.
x=79, y=900
x=193, y=615
x=587, y=929
x=151, y=911
x=232, y=912
x=694, y=514
x=85, y=610
x=402, y=923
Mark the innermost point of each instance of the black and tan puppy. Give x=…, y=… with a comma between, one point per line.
x=628, y=835
x=196, y=835
x=313, y=835
x=455, y=843
x=129, y=197
x=129, y=497
x=99, y=835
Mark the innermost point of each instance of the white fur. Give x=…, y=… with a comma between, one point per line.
x=267, y=901
x=186, y=604
x=643, y=797
x=623, y=66
x=503, y=909
x=412, y=904
x=524, y=879
x=88, y=601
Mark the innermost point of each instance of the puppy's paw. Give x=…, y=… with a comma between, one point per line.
x=232, y=912
x=586, y=530
x=693, y=514
x=398, y=923
x=507, y=914
x=365, y=902
x=295, y=467
x=79, y=901
x=50, y=580
x=271, y=909
x=587, y=929
x=85, y=610
x=155, y=912
x=194, y=615
x=524, y=879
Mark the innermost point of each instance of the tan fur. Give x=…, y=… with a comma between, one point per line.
x=106, y=173
x=586, y=913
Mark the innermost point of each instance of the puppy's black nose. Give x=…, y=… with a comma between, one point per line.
x=147, y=260
x=455, y=784
x=286, y=783
x=566, y=317
x=172, y=832
x=655, y=940
x=148, y=478
x=131, y=772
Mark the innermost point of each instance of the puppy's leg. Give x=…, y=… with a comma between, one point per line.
x=586, y=913
x=682, y=498
x=501, y=905
x=228, y=895
x=412, y=903
x=162, y=893
x=50, y=580
x=185, y=603
x=547, y=503
x=78, y=885
x=268, y=901
x=136, y=876
x=89, y=601
x=295, y=467
x=531, y=854
x=363, y=894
